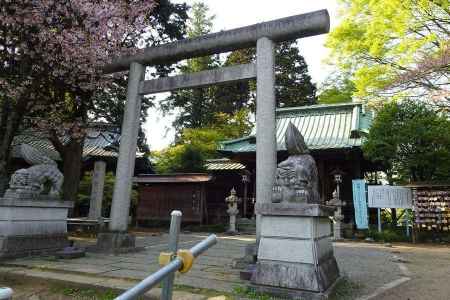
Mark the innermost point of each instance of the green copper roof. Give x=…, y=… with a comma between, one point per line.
x=323, y=127
x=99, y=142
x=223, y=164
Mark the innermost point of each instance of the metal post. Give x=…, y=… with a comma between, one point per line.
x=379, y=219
x=6, y=293
x=176, y=264
x=175, y=224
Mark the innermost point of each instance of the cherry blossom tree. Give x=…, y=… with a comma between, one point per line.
x=51, y=53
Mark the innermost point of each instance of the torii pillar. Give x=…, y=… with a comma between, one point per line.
x=263, y=36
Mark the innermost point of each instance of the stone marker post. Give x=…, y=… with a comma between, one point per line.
x=266, y=146
x=118, y=237
x=98, y=183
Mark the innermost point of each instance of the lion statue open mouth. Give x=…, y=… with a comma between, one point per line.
x=297, y=177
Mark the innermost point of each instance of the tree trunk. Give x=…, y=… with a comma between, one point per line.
x=394, y=217
x=9, y=125
x=72, y=154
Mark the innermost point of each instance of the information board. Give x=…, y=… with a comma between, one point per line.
x=386, y=196
x=360, y=204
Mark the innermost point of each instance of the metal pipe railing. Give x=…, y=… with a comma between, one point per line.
x=6, y=293
x=165, y=272
x=174, y=234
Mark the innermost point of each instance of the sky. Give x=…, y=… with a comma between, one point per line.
x=230, y=14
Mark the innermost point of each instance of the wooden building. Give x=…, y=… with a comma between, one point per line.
x=333, y=133
x=201, y=197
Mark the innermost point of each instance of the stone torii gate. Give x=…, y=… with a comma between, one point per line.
x=264, y=35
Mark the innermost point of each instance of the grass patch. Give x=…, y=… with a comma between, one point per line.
x=388, y=235
x=251, y=293
x=83, y=293
x=206, y=292
x=345, y=289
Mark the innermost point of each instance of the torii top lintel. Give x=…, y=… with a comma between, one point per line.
x=290, y=28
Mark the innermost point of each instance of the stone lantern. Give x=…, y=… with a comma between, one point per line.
x=338, y=203
x=232, y=202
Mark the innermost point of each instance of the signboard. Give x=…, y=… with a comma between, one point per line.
x=385, y=196
x=360, y=204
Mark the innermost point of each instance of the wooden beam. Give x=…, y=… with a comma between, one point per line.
x=199, y=79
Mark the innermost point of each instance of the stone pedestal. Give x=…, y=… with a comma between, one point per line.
x=337, y=227
x=295, y=255
x=232, y=227
x=32, y=226
x=116, y=242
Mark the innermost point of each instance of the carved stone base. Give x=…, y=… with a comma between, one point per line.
x=284, y=293
x=295, y=252
x=116, y=242
x=20, y=246
x=32, y=226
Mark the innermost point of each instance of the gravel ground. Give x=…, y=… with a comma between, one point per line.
x=429, y=268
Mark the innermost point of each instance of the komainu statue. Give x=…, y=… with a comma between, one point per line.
x=296, y=178
x=33, y=180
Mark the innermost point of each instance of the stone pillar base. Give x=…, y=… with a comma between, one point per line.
x=116, y=242
x=296, y=294
x=35, y=225
x=295, y=252
x=20, y=246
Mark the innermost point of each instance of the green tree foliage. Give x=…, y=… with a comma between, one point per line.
x=395, y=47
x=84, y=192
x=411, y=141
x=194, y=103
x=198, y=106
x=293, y=86
x=182, y=158
x=230, y=98
x=336, y=90
x=197, y=144
x=293, y=83
x=169, y=20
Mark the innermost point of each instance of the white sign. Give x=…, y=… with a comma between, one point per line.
x=385, y=196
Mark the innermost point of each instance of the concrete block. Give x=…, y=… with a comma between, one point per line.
x=295, y=255
x=32, y=226
x=307, y=277
x=322, y=227
x=287, y=250
x=294, y=209
x=323, y=248
x=287, y=227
